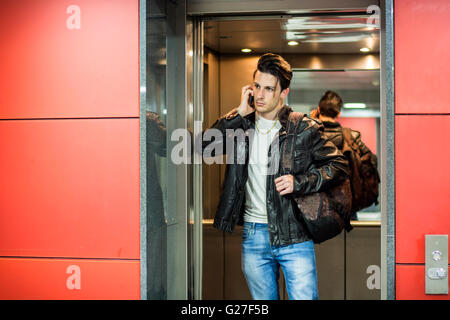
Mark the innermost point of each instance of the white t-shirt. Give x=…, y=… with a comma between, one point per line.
x=255, y=188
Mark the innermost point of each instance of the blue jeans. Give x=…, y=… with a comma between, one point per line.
x=261, y=265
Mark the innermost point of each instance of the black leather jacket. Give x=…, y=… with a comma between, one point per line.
x=317, y=165
x=333, y=131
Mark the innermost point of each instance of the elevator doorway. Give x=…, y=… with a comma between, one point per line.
x=327, y=56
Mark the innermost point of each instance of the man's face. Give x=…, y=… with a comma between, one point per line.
x=267, y=92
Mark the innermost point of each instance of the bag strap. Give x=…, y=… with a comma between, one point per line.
x=288, y=148
x=347, y=133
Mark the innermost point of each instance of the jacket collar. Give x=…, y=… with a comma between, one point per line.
x=283, y=115
x=329, y=124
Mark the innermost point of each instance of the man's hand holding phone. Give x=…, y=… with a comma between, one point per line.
x=245, y=107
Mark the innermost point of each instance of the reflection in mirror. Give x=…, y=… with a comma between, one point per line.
x=359, y=91
x=156, y=113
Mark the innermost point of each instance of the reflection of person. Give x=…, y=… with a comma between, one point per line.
x=328, y=112
x=156, y=225
x=274, y=233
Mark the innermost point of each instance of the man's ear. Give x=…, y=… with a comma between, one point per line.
x=284, y=93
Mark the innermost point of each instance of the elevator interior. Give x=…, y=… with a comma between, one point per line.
x=195, y=69
x=329, y=51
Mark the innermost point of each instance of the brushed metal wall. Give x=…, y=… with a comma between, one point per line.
x=347, y=266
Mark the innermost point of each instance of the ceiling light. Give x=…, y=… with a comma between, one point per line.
x=302, y=23
x=364, y=49
x=246, y=50
x=295, y=35
x=354, y=105
x=337, y=39
x=293, y=43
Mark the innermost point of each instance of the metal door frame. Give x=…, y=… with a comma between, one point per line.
x=142, y=145
x=179, y=177
x=387, y=125
x=246, y=10
x=197, y=201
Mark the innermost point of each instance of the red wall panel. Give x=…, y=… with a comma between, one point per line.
x=410, y=283
x=422, y=50
x=49, y=70
x=68, y=279
x=422, y=155
x=69, y=188
x=367, y=127
x=422, y=152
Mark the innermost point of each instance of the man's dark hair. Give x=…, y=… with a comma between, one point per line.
x=276, y=66
x=330, y=105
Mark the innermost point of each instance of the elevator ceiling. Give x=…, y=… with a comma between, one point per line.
x=326, y=34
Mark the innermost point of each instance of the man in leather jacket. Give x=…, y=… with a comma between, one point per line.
x=260, y=198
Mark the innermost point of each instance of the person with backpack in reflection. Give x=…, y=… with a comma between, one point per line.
x=364, y=175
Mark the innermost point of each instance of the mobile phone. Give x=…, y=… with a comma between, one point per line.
x=251, y=101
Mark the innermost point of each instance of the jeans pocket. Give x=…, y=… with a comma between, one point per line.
x=246, y=232
x=307, y=246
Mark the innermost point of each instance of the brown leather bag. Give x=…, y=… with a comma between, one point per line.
x=325, y=213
